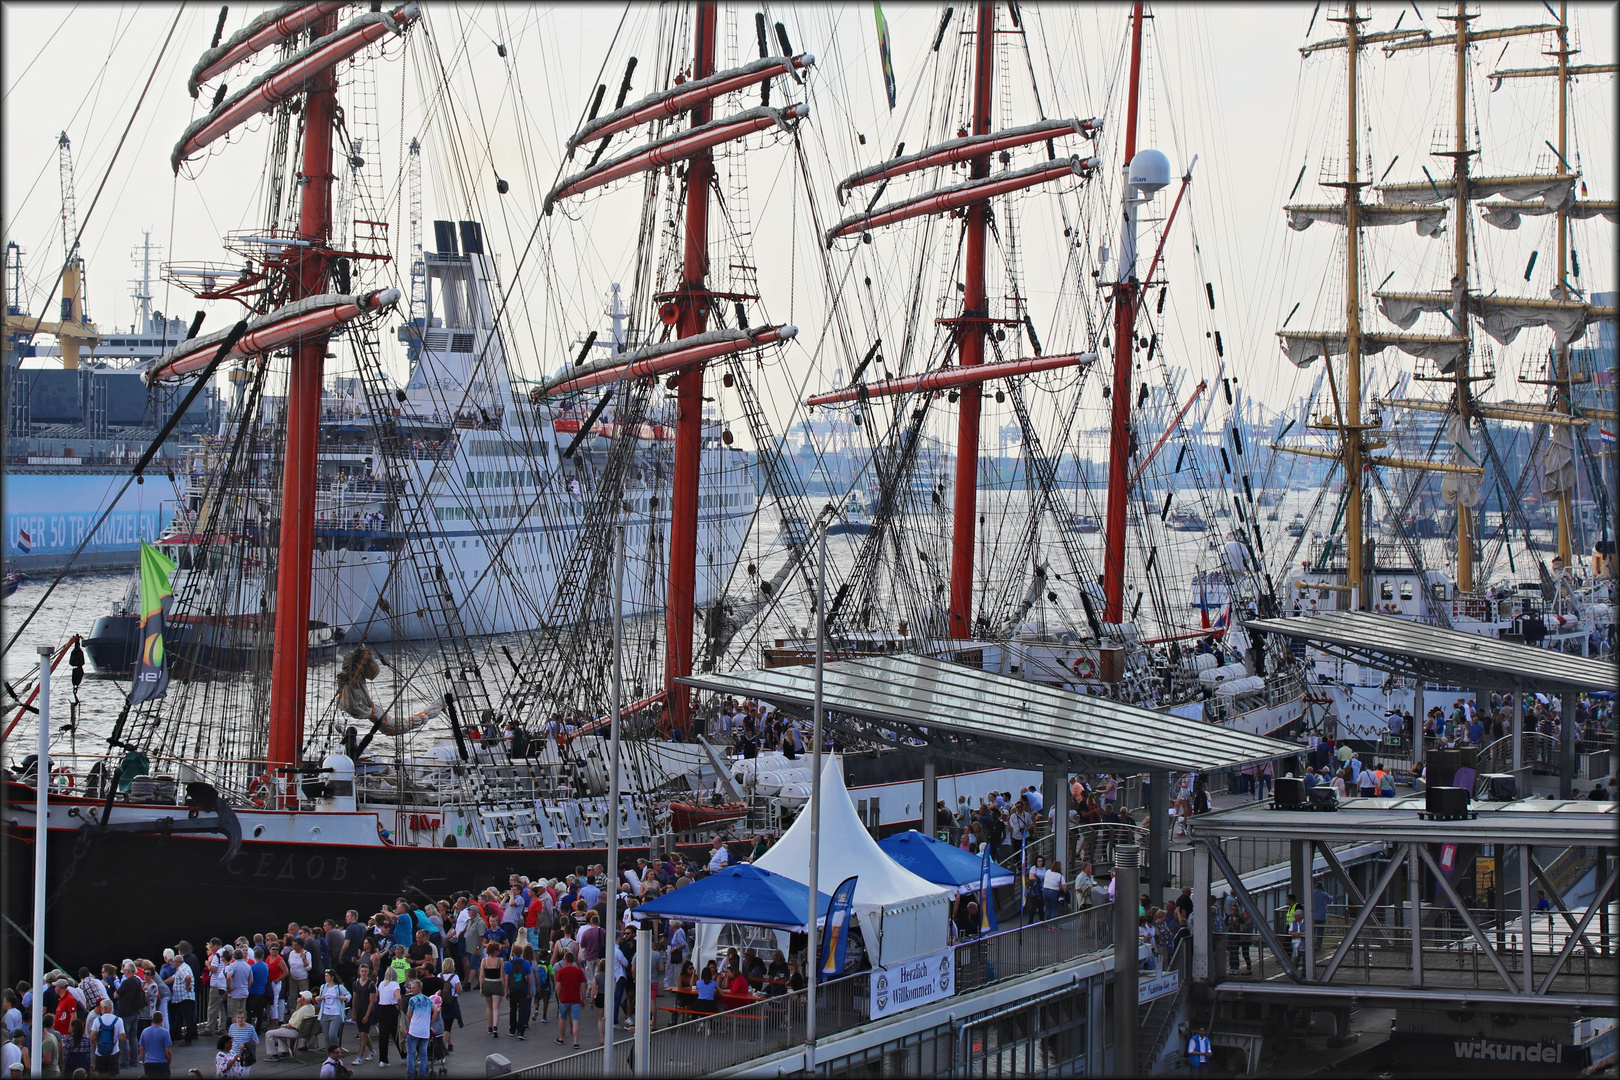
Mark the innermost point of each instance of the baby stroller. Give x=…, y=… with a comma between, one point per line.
x=437, y=1057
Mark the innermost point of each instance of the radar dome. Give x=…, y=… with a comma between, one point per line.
x=1150, y=171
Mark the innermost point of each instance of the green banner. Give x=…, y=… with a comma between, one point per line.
x=151, y=666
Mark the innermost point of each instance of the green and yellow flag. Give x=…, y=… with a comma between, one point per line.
x=151, y=666
x=883, y=51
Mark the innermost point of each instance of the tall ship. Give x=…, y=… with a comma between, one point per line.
x=1064, y=576
x=310, y=740
x=1455, y=498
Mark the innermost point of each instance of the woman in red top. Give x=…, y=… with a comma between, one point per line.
x=738, y=986
x=278, y=972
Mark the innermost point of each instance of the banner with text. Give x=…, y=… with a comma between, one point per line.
x=916, y=982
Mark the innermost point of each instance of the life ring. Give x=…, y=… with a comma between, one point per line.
x=1085, y=668
x=259, y=789
x=62, y=777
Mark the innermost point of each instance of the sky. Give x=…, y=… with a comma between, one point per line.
x=1225, y=82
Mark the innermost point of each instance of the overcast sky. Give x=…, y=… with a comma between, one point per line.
x=1227, y=83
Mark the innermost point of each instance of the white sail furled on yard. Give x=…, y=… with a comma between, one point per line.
x=1558, y=463
x=1553, y=189
x=1506, y=215
x=1303, y=347
x=1458, y=488
x=1502, y=317
x=1429, y=220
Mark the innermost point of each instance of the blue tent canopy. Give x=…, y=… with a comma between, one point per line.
x=739, y=894
x=941, y=863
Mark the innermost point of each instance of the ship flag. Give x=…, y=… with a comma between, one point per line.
x=883, y=51
x=151, y=666
x=25, y=543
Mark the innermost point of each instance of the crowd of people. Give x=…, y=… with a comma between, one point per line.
x=399, y=982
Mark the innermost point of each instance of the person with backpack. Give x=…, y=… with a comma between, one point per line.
x=449, y=998
x=333, y=1065
x=517, y=977
x=542, y=990
x=107, y=1036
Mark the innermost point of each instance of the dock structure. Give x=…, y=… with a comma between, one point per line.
x=1031, y=997
x=1433, y=654
x=951, y=710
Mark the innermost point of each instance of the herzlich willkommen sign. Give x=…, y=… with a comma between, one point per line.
x=915, y=982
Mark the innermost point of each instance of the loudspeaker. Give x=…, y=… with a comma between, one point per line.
x=1441, y=767
x=1499, y=787
x=1468, y=757
x=1322, y=797
x=1446, y=803
x=1290, y=794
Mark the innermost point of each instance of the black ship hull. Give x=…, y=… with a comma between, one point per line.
x=133, y=894
x=196, y=647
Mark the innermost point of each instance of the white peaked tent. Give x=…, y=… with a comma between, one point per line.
x=901, y=915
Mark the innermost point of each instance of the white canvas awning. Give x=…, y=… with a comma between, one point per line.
x=901, y=915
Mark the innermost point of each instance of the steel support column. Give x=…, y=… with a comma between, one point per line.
x=1568, y=759
x=1414, y=909
x=1307, y=896
x=1201, y=916
x=1526, y=929
x=930, y=796
x=1127, y=860
x=1055, y=799
x=1158, y=833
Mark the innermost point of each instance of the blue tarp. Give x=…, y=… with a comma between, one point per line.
x=941, y=863
x=739, y=894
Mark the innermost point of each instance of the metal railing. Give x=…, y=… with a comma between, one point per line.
x=700, y=1045
x=1540, y=751
x=1452, y=957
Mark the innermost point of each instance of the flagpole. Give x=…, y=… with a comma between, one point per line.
x=812, y=962
x=610, y=953
x=42, y=798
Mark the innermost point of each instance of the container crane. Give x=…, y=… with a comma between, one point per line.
x=72, y=329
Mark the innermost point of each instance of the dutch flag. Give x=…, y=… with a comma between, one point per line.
x=25, y=542
x=1606, y=435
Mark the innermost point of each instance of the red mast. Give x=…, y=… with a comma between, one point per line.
x=970, y=328
x=296, y=552
x=1119, y=435
x=693, y=306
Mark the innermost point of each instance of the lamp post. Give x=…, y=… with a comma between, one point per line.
x=812, y=966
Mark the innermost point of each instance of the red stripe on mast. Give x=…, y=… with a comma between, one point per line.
x=970, y=345
x=693, y=318
x=296, y=553
x=1119, y=434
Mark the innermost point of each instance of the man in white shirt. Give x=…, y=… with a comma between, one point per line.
x=719, y=857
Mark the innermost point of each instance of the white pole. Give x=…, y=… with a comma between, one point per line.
x=610, y=970
x=812, y=968
x=644, y=996
x=42, y=797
